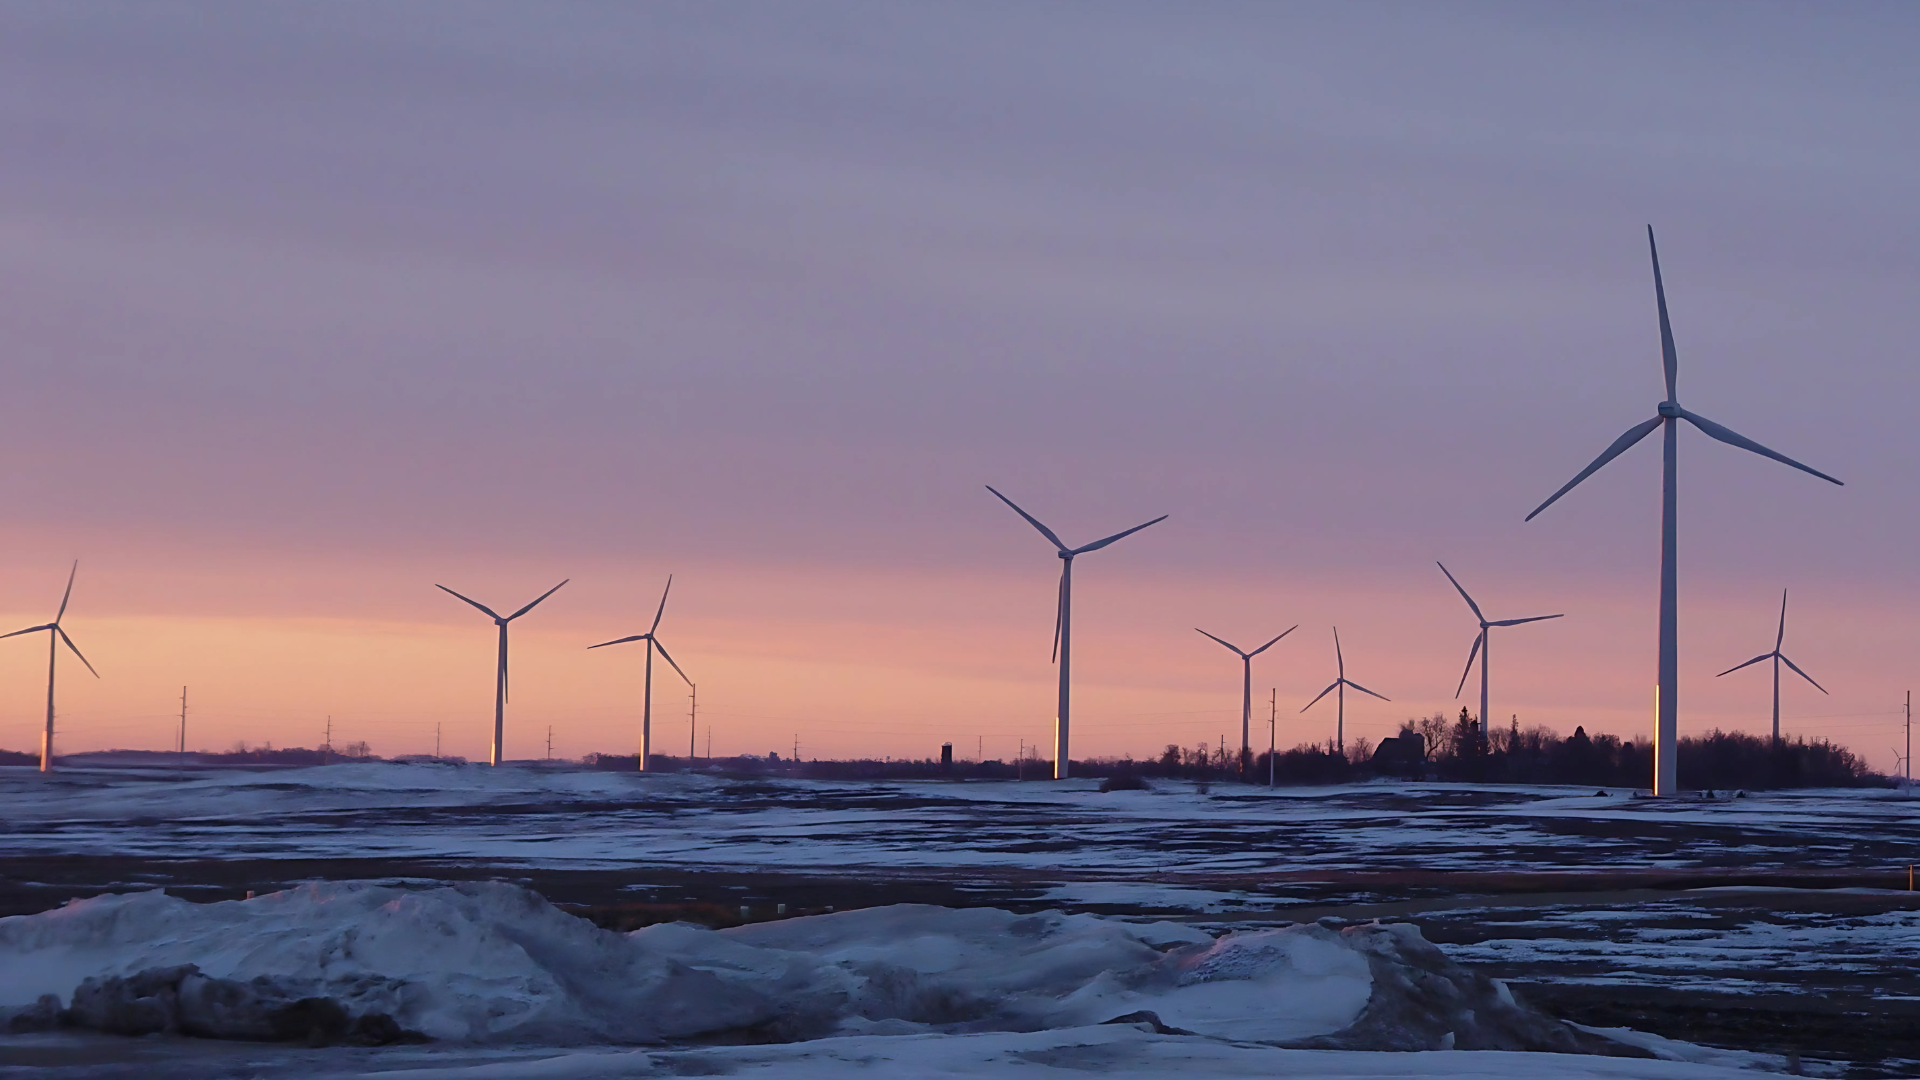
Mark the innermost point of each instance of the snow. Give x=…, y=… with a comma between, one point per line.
x=1110, y=1050
x=487, y=962
x=578, y=818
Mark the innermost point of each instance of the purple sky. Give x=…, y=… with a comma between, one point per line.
x=304, y=303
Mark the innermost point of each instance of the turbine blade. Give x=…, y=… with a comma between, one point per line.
x=1059, y=611
x=669, y=660
x=1781, y=638
x=663, y=606
x=1224, y=641
x=1098, y=544
x=68, y=595
x=1468, y=670
x=1031, y=520
x=1633, y=435
x=76, y=652
x=1734, y=438
x=29, y=630
x=543, y=596
x=1339, y=660
x=1320, y=695
x=1269, y=644
x=621, y=641
x=1534, y=618
x=1463, y=592
x=475, y=603
x=1669, y=359
x=1364, y=690
x=1750, y=663
x=1804, y=675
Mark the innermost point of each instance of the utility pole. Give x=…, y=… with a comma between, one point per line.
x=436, y=738
x=1909, y=744
x=709, y=742
x=796, y=748
x=549, y=742
x=183, y=720
x=326, y=748
x=693, y=713
x=1273, y=729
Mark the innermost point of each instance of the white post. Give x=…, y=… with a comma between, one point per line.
x=1666, y=745
x=1061, y=758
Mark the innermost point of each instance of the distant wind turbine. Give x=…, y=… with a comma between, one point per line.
x=646, y=705
x=55, y=636
x=1340, y=684
x=1666, y=762
x=1778, y=658
x=500, y=674
x=1246, y=689
x=1063, y=620
x=1483, y=644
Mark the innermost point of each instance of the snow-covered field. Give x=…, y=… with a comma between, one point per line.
x=1603, y=899
x=579, y=818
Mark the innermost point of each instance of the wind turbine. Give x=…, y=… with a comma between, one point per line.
x=1341, y=684
x=1482, y=645
x=500, y=674
x=1246, y=689
x=646, y=706
x=55, y=636
x=1063, y=620
x=1778, y=658
x=1666, y=763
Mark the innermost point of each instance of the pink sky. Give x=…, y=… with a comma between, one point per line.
x=308, y=309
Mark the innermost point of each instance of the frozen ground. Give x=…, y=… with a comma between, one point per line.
x=540, y=817
x=1609, y=910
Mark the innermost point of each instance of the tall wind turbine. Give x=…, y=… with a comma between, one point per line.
x=1340, y=684
x=646, y=706
x=1246, y=689
x=1063, y=620
x=55, y=636
x=1482, y=645
x=500, y=673
x=1778, y=658
x=1666, y=763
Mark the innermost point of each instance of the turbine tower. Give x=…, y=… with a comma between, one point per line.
x=55, y=636
x=646, y=704
x=1666, y=764
x=1340, y=684
x=1482, y=645
x=1778, y=658
x=1063, y=621
x=1246, y=690
x=500, y=673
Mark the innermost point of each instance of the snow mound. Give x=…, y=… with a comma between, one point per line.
x=490, y=962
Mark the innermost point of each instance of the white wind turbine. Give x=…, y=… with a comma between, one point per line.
x=500, y=672
x=1063, y=620
x=1666, y=771
x=1483, y=644
x=1246, y=689
x=1778, y=658
x=646, y=702
x=1340, y=684
x=55, y=635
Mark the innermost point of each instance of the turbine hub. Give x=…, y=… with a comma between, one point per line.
x=1669, y=409
x=1068, y=555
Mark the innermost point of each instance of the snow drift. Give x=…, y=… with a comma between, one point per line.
x=491, y=962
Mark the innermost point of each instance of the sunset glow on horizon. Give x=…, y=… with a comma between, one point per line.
x=764, y=302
